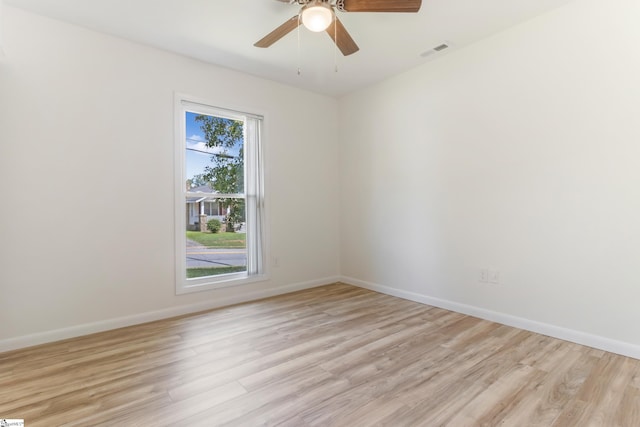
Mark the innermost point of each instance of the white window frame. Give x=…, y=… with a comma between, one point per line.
x=253, y=196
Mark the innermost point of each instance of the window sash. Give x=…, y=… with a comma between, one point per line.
x=254, y=202
x=214, y=195
x=253, y=196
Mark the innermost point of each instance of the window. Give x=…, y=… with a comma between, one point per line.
x=219, y=197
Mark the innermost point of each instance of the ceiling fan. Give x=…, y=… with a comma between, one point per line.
x=320, y=15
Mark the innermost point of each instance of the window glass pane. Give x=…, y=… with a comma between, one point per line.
x=215, y=227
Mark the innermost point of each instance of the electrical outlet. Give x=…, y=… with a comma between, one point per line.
x=494, y=276
x=275, y=262
x=484, y=275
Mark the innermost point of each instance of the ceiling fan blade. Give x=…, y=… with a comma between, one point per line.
x=379, y=5
x=344, y=41
x=278, y=33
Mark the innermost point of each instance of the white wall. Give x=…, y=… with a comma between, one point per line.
x=520, y=153
x=86, y=169
x=1, y=31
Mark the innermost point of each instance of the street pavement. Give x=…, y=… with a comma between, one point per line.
x=202, y=256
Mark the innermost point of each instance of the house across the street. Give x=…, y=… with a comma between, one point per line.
x=202, y=208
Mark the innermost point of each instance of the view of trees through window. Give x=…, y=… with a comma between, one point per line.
x=215, y=196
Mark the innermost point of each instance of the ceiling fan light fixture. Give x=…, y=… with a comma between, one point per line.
x=317, y=16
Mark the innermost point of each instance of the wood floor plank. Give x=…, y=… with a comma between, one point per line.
x=174, y=412
x=572, y=415
x=257, y=401
x=612, y=394
x=335, y=355
x=628, y=413
x=544, y=404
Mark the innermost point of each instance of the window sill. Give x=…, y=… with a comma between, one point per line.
x=226, y=281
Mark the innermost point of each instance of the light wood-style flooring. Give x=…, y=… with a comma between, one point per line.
x=335, y=355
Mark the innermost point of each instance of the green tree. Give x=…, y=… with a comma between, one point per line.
x=198, y=181
x=227, y=173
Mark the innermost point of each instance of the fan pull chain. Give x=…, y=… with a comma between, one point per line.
x=299, y=53
x=335, y=44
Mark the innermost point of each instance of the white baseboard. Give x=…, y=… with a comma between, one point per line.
x=578, y=337
x=150, y=316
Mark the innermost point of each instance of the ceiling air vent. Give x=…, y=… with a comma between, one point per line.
x=434, y=50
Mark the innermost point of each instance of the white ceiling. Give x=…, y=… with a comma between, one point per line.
x=222, y=32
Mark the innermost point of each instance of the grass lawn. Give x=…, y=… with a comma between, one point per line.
x=212, y=271
x=219, y=240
